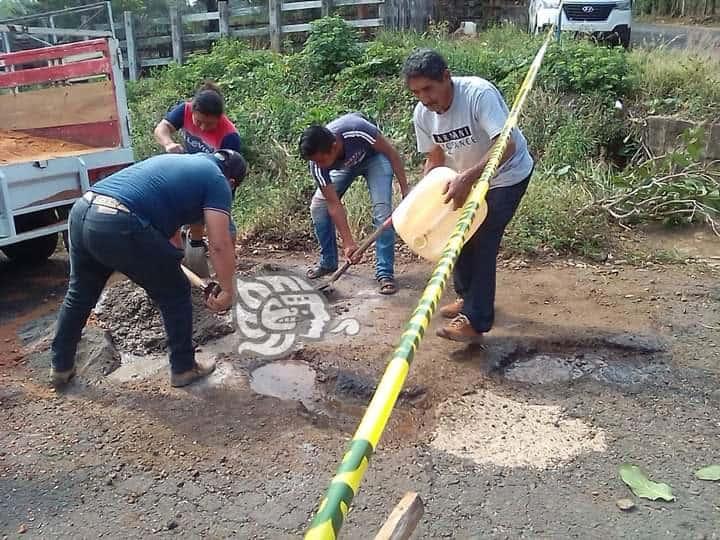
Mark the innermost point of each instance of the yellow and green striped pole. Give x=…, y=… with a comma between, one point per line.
x=346, y=482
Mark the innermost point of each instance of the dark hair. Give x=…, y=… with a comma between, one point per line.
x=209, y=100
x=316, y=139
x=425, y=63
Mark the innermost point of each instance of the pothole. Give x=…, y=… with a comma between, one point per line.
x=605, y=367
x=288, y=380
x=491, y=429
x=624, y=359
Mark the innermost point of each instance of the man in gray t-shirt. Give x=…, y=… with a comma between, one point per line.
x=457, y=121
x=348, y=147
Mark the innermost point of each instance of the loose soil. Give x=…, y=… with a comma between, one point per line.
x=16, y=147
x=136, y=325
x=588, y=367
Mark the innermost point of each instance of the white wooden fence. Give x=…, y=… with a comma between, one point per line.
x=144, y=41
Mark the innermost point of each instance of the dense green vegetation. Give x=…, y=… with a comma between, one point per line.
x=586, y=150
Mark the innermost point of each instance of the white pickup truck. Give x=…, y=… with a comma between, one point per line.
x=63, y=126
x=602, y=19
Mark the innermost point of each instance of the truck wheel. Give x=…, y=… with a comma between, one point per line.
x=31, y=251
x=623, y=34
x=38, y=249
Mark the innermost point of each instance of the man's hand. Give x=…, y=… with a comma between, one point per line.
x=221, y=302
x=349, y=252
x=174, y=148
x=458, y=190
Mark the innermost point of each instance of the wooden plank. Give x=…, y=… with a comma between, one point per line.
x=55, y=73
x=245, y=11
x=132, y=57
x=105, y=134
x=224, y=14
x=275, y=21
x=199, y=17
x=152, y=62
x=260, y=31
x=326, y=9
x=358, y=2
x=296, y=6
x=52, y=53
x=85, y=103
x=404, y=519
x=176, y=32
x=143, y=43
x=366, y=23
x=44, y=31
x=295, y=28
x=209, y=36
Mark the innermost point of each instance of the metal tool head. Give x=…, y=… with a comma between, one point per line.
x=212, y=288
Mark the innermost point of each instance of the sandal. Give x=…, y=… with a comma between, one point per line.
x=319, y=271
x=387, y=285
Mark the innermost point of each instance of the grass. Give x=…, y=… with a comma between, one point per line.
x=678, y=83
x=570, y=122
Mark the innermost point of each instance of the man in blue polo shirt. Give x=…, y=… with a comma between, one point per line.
x=348, y=147
x=125, y=223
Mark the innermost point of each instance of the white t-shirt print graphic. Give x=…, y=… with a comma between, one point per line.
x=465, y=131
x=455, y=140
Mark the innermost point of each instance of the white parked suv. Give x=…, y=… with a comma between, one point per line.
x=600, y=18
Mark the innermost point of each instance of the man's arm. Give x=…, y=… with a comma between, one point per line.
x=458, y=189
x=163, y=135
x=339, y=218
x=222, y=255
x=384, y=146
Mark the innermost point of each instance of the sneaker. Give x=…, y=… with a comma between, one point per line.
x=460, y=329
x=197, y=372
x=450, y=311
x=59, y=379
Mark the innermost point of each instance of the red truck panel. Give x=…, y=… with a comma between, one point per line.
x=36, y=75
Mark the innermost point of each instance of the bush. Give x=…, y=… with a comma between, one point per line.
x=331, y=46
x=582, y=67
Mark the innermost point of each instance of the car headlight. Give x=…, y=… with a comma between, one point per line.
x=624, y=6
x=548, y=4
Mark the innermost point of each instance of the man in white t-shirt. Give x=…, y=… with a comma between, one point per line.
x=457, y=121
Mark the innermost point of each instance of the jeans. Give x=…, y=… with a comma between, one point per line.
x=102, y=242
x=379, y=175
x=475, y=270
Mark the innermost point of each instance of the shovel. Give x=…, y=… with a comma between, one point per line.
x=208, y=287
x=362, y=248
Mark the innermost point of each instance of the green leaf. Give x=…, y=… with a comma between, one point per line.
x=709, y=473
x=642, y=486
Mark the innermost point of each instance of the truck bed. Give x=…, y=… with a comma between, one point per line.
x=17, y=147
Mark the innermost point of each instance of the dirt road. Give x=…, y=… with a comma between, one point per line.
x=589, y=367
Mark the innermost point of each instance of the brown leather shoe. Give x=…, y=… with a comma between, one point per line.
x=450, y=311
x=197, y=372
x=460, y=329
x=58, y=379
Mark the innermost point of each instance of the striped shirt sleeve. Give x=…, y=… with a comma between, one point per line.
x=320, y=175
x=362, y=135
